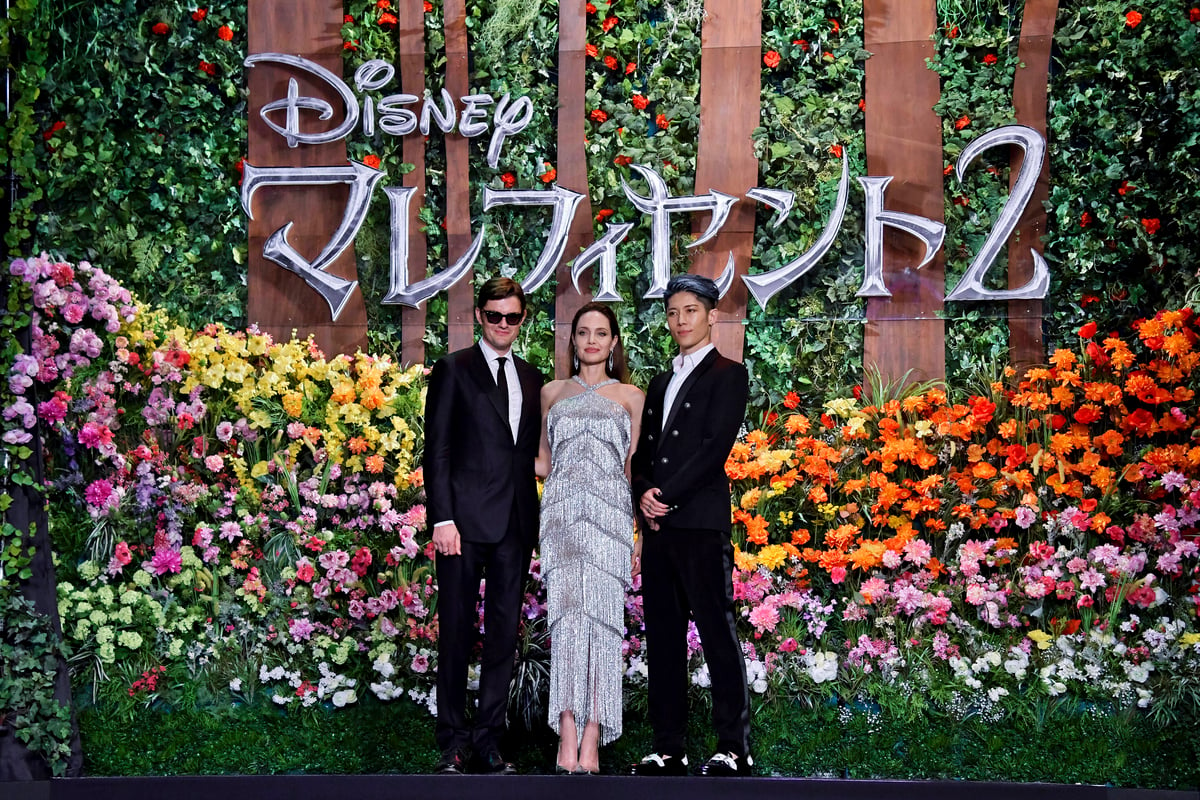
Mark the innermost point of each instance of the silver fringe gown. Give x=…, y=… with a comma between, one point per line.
x=586, y=543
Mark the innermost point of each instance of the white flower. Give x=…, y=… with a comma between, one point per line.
x=345, y=696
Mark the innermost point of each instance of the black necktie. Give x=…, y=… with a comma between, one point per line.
x=502, y=387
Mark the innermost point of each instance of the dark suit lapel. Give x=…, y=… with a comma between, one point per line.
x=701, y=368
x=531, y=395
x=482, y=373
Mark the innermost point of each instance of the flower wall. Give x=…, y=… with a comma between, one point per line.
x=242, y=519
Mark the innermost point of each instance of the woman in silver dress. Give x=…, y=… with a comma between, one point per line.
x=588, y=555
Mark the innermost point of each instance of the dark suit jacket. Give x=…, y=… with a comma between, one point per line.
x=474, y=473
x=686, y=457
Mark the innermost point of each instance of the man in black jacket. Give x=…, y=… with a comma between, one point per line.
x=690, y=421
x=482, y=428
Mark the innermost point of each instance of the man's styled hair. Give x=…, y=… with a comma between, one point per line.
x=704, y=288
x=499, y=288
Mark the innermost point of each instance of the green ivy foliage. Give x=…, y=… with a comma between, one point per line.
x=1125, y=162
x=142, y=120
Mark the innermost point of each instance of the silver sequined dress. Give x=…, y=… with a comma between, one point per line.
x=586, y=543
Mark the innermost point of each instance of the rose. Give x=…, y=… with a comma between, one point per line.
x=225, y=33
x=771, y=59
x=1133, y=19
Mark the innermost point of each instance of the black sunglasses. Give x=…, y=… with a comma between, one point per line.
x=514, y=318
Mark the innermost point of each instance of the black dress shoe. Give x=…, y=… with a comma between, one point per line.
x=492, y=763
x=726, y=765
x=657, y=764
x=453, y=762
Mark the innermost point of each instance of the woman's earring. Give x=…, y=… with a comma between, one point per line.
x=575, y=361
x=610, y=360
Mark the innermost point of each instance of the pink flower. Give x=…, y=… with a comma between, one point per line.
x=98, y=492
x=95, y=435
x=420, y=663
x=788, y=645
x=165, y=560
x=764, y=617
x=837, y=574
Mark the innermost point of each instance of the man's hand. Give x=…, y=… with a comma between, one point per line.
x=446, y=540
x=652, y=507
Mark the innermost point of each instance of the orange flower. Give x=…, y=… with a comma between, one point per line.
x=771, y=59
x=371, y=161
x=608, y=24
x=756, y=529
x=550, y=174
x=662, y=122
x=374, y=464
x=293, y=404
x=962, y=122
x=357, y=445
x=225, y=33
x=1133, y=19
x=598, y=115
x=639, y=102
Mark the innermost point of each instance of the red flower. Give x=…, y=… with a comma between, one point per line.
x=802, y=43
x=1133, y=19
x=598, y=115
x=1087, y=331
x=1151, y=225
x=630, y=68
x=962, y=200
x=623, y=161
x=639, y=102
x=161, y=28
x=1125, y=187
x=383, y=3
x=1085, y=219
x=199, y=14
x=592, y=50
x=951, y=32
x=350, y=45
x=862, y=104
x=662, y=121
x=347, y=19
x=610, y=62
x=372, y=161
x=550, y=174
x=608, y=24
x=55, y=128
x=1057, y=421
x=388, y=20
x=836, y=26
x=836, y=150
x=791, y=400
x=509, y=180
x=949, y=168
x=771, y=59
x=989, y=59
x=604, y=214
x=591, y=9
x=962, y=122
x=225, y=33
x=427, y=7
x=1087, y=299
x=1194, y=15
x=211, y=69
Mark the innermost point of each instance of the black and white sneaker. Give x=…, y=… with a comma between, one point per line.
x=657, y=764
x=726, y=765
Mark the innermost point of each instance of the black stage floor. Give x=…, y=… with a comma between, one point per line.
x=535, y=787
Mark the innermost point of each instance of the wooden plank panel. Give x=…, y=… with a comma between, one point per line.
x=904, y=139
x=572, y=173
x=411, y=57
x=1030, y=89
x=461, y=297
x=730, y=85
x=278, y=300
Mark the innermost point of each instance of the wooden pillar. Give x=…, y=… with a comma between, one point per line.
x=730, y=85
x=411, y=56
x=1030, y=88
x=279, y=301
x=461, y=297
x=572, y=172
x=904, y=139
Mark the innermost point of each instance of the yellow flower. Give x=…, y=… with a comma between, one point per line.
x=293, y=404
x=772, y=556
x=1042, y=639
x=259, y=469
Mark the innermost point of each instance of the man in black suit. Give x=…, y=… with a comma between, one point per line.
x=690, y=421
x=482, y=427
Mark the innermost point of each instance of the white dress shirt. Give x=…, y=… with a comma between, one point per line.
x=515, y=397
x=683, y=366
